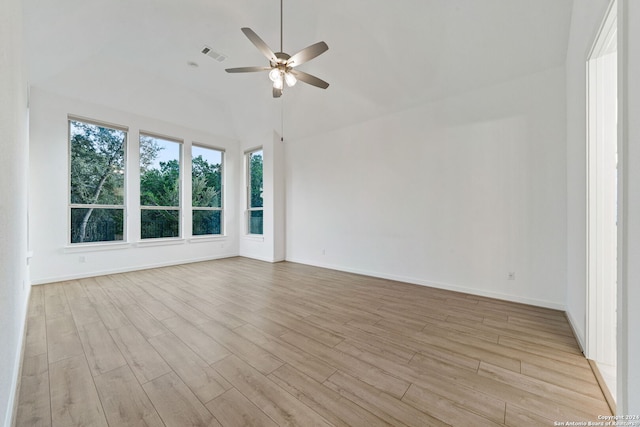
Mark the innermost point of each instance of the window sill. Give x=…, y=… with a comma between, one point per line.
x=95, y=247
x=254, y=237
x=161, y=242
x=207, y=238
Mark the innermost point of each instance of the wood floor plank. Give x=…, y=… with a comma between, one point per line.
x=83, y=311
x=154, y=307
x=36, y=301
x=176, y=404
x=55, y=301
x=203, y=380
x=517, y=417
x=360, y=369
x=233, y=409
x=544, y=389
x=291, y=322
x=146, y=324
x=511, y=394
x=202, y=344
x=257, y=357
x=279, y=405
x=74, y=290
x=444, y=409
x=479, y=403
x=335, y=408
x=587, y=386
x=474, y=348
x=74, y=399
x=291, y=344
x=144, y=361
x=34, y=409
x=120, y=297
x=393, y=411
x=181, y=308
x=62, y=338
x=400, y=353
x=36, y=338
x=94, y=291
x=226, y=319
x=301, y=360
x=255, y=319
x=101, y=351
x=111, y=315
x=124, y=401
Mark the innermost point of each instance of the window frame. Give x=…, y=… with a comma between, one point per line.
x=249, y=208
x=180, y=206
x=125, y=184
x=222, y=193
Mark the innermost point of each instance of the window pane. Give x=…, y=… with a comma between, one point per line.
x=159, y=223
x=255, y=179
x=159, y=172
x=255, y=222
x=206, y=177
x=96, y=225
x=207, y=222
x=97, y=164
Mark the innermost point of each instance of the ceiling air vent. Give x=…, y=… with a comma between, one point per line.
x=215, y=55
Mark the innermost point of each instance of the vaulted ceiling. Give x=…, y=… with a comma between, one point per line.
x=384, y=56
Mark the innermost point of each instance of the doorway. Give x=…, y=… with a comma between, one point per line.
x=602, y=190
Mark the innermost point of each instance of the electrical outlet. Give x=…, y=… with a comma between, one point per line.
x=512, y=275
x=323, y=252
x=82, y=258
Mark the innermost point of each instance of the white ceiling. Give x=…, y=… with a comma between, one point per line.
x=384, y=56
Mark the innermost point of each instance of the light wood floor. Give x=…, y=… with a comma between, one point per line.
x=239, y=342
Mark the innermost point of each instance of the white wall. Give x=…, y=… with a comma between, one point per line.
x=14, y=274
x=53, y=259
x=629, y=275
x=454, y=194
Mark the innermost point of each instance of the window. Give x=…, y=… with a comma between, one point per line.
x=206, y=191
x=254, y=192
x=97, y=182
x=159, y=187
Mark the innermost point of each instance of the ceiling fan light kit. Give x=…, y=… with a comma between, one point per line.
x=281, y=65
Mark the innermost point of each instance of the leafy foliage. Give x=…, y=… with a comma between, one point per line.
x=97, y=164
x=161, y=187
x=255, y=172
x=97, y=178
x=206, y=183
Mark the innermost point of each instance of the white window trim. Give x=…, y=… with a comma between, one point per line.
x=223, y=231
x=109, y=244
x=247, y=156
x=144, y=241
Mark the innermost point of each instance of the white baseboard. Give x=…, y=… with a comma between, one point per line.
x=577, y=332
x=265, y=259
x=445, y=286
x=127, y=269
x=12, y=407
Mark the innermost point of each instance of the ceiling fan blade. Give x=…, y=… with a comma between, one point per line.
x=309, y=79
x=307, y=54
x=247, y=69
x=260, y=44
x=277, y=93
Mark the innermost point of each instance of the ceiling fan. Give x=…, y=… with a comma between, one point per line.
x=282, y=65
